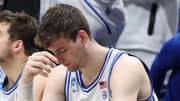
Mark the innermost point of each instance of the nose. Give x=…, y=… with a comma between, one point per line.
x=60, y=59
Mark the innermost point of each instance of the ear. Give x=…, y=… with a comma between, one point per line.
x=17, y=46
x=83, y=36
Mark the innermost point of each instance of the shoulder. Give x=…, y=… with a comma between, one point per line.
x=129, y=71
x=129, y=77
x=54, y=89
x=58, y=73
x=56, y=77
x=127, y=62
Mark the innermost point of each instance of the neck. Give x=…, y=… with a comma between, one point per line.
x=95, y=61
x=13, y=69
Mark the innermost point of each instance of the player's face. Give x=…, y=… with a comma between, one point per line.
x=5, y=50
x=71, y=54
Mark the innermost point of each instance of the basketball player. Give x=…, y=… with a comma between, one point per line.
x=94, y=72
x=17, y=31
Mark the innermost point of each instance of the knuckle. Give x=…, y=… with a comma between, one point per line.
x=41, y=65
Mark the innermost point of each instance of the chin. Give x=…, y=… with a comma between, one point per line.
x=71, y=69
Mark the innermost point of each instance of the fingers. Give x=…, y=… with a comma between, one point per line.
x=47, y=55
x=42, y=60
x=38, y=63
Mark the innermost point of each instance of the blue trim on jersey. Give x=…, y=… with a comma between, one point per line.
x=65, y=88
x=67, y=84
x=112, y=65
x=101, y=18
x=1, y=83
x=1, y=71
x=95, y=82
x=10, y=90
x=152, y=97
x=78, y=79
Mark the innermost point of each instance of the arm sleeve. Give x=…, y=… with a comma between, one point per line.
x=25, y=91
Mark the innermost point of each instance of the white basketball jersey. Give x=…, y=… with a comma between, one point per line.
x=7, y=94
x=99, y=89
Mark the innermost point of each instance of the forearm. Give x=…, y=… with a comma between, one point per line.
x=38, y=64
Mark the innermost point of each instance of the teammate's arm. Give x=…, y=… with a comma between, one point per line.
x=38, y=63
x=54, y=90
x=39, y=83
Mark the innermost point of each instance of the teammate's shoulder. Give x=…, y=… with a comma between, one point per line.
x=59, y=68
x=56, y=77
x=58, y=72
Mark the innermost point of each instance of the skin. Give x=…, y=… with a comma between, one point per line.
x=6, y=45
x=13, y=59
x=36, y=71
x=133, y=87
x=10, y=55
x=38, y=88
x=88, y=56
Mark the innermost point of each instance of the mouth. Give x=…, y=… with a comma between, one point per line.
x=66, y=65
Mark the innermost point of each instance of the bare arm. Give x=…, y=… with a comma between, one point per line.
x=38, y=87
x=38, y=63
x=54, y=90
x=127, y=79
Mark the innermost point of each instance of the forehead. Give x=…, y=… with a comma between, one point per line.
x=60, y=43
x=4, y=26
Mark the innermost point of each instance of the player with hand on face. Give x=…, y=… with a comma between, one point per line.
x=91, y=72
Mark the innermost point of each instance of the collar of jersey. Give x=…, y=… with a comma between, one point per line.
x=95, y=82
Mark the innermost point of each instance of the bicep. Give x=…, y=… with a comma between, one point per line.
x=126, y=80
x=53, y=96
x=124, y=88
x=52, y=91
x=39, y=85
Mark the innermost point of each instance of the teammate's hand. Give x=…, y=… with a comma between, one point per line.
x=38, y=63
